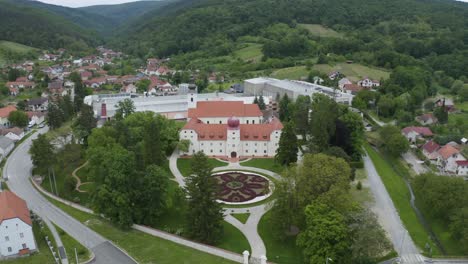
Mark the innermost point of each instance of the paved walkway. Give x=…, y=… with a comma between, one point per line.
x=250, y=228
x=58, y=241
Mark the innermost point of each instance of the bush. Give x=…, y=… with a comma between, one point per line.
x=357, y=164
x=359, y=185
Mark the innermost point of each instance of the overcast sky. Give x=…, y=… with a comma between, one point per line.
x=80, y=3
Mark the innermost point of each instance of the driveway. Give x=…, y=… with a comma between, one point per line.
x=18, y=170
x=417, y=165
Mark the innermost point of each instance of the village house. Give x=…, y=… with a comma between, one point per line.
x=352, y=88
x=4, y=114
x=21, y=83
x=333, y=75
x=14, y=133
x=448, y=157
x=414, y=133
x=86, y=75
x=426, y=119
x=342, y=82
x=430, y=149
x=16, y=233
x=37, y=104
x=447, y=103
x=6, y=146
x=462, y=167
x=230, y=130
x=131, y=88
x=368, y=83
x=13, y=91
x=36, y=117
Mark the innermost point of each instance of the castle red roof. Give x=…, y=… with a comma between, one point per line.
x=11, y=206
x=248, y=132
x=224, y=109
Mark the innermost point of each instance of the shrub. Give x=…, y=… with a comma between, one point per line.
x=359, y=185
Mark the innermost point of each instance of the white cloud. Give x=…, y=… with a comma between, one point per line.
x=81, y=3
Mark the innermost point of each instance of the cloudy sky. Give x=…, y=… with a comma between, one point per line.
x=80, y=3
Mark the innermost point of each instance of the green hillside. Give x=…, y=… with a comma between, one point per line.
x=122, y=13
x=10, y=51
x=41, y=28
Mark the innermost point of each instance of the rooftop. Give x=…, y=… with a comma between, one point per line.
x=11, y=206
x=224, y=109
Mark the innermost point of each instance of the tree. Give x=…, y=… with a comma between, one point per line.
x=142, y=85
x=463, y=94
x=326, y=235
x=301, y=114
x=183, y=145
x=322, y=121
x=441, y=114
x=386, y=106
x=21, y=105
x=204, y=213
x=85, y=122
x=125, y=108
x=284, y=114
x=55, y=116
x=13, y=74
x=18, y=118
x=42, y=154
x=288, y=146
x=255, y=100
x=261, y=103
x=80, y=91
x=151, y=198
x=393, y=141
x=152, y=150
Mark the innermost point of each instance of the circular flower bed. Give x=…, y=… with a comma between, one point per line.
x=238, y=187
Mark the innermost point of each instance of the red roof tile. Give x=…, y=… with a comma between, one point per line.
x=11, y=206
x=5, y=111
x=431, y=146
x=462, y=162
x=424, y=131
x=447, y=151
x=224, y=109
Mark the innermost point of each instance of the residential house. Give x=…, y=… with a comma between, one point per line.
x=430, y=150
x=414, y=133
x=448, y=157
x=352, y=88
x=95, y=82
x=333, y=75
x=368, y=83
x=14, y=133
x=462, y=167
x=447, y=103
x=36, y=117
x=16, y=233
x=162, y=71
x=37, y=104
x=13, y=91
x=21, y=84
x=6, y=146
x=86, y=75
x=4, y=114
x=56, y=88
x=427, y=119
x=131, y=88
x=342, y=82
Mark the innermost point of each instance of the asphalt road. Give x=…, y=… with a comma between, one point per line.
x=18, y=171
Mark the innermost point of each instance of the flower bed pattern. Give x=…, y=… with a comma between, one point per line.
x=236, y=187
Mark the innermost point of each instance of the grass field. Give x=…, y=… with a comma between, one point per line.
x=291, y=73
x=184, y=165
x=321, y=31
x=251, y=53
x=284, y=252
x=400, y=195
x=241, y=217
x=13, y=47
x=353, y=71
x=266, y=163
x=462, y=106
x=69, y=243
x=143, y=247
x=233, y=240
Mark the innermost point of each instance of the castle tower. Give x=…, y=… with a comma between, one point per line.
x=233, y=138
x=192, y=96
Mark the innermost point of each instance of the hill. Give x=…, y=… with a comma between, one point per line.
x=382, y=33
x=123, y=13
x=10, y=51
x=36, y=27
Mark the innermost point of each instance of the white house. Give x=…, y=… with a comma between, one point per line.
x=231, y=130
x=342, y=82
x=4, y=114
x=414, y=133
x=38, y=104
x=36, y=117
x=368, y=83
x=14, y=133
x=462, y=167
x=448, y=157
x=16, y=234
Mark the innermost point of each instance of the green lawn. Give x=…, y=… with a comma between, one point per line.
x=291, y=73
x=14, y=48
x=184, y=165
x=233, y=239
x=264, y=163
x=252, y=52
x=462, y=106
x=283, y=252
x=43, y=256
x=69, y=243
x=241, y=217
x=353, y=71
x=321, y=31
x=143, y=247
x=400, y=195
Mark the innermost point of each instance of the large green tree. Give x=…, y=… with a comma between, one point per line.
x=42, y=154
x=322, y=121
x=85, y=122
x=125, y=108
x=284, y=109
x=204, y=213
x=326, y=235
x=18, y=118
x=288, y=145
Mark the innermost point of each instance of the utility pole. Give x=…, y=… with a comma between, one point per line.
x=55, y=182
x=76, y=256
x=50, y=180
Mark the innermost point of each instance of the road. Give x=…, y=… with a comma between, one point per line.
x=389, y=217
x=416, y=164
x=18, y=170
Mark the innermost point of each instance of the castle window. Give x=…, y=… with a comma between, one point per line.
x=247, y=121
x=253, y=121
x=220, y=122
x=191, y=99
x=211, y=151
x=207, y=122
x=264, y=151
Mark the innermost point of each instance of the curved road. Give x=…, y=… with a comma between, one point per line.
x=18, y=170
